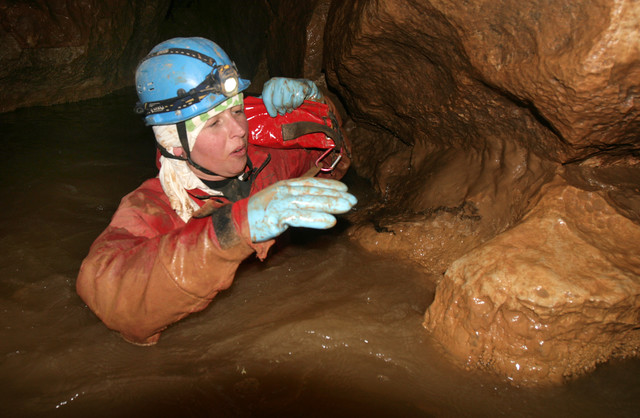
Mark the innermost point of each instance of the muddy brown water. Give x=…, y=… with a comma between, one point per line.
x=319, y=328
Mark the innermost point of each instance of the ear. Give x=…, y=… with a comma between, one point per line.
x=178, y=151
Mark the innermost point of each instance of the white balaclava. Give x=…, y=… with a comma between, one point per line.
x=175, y=175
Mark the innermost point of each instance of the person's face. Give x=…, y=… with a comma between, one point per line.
x=221, y=146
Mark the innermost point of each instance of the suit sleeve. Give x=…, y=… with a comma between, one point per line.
x=149, y=269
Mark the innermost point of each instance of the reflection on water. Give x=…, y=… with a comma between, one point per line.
x=319, y=328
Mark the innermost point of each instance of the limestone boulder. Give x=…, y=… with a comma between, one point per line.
x=548, y=299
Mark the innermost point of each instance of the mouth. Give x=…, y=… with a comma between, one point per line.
x=241, y=151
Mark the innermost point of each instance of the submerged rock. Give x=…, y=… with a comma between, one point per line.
x=548, y=299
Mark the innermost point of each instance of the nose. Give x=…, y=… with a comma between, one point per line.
x=237, y=125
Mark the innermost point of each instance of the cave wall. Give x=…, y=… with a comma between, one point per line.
x=57, y=51
x=496, y=118
x=484, y=127
x=548, y=83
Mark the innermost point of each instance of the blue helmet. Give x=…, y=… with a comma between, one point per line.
x=184, y=77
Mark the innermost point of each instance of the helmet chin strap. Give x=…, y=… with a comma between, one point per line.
x=234, y=188
x=182, y=134
x=184, y=142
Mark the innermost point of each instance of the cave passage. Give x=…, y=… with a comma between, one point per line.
x=320, y=327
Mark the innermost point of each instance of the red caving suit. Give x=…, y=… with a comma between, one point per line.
x=149, y=269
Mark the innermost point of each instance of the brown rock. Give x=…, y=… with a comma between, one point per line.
x=454, y=201
x=575, y=64
x=57, y=51
x=617, y=176
x=561, y=78
x=403, y=71
x=548, y=299
x=464, y=110
x=427, y=75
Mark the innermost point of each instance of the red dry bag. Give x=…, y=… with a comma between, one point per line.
x=311, y=125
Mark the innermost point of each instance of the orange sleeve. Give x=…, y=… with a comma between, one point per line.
x=149, y=269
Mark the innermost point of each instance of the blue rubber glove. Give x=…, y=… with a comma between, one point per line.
x=303, y=202
x=283, y=95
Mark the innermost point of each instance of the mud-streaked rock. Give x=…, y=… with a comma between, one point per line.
x=548, y=299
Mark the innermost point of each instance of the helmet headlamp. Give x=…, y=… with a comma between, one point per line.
x=226, y=77
x=223, y=80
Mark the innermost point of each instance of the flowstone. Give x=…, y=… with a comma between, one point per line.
x=548, y=299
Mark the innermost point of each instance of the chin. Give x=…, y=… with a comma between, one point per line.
x=242, y=165
x=239, y=171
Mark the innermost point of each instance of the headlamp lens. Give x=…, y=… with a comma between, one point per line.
x=229, y=86
x=226, y=77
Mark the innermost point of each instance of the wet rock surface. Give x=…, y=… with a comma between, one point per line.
x=56, y=51
x=548, y=299
x=487, y=102
x=463, y=198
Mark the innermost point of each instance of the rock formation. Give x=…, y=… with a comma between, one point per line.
x=548, y=298
x=466, y=112
x=502, y=138
x=57, y=51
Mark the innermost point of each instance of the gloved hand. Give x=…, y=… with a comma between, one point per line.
x=303, y=202
x=283, y=95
